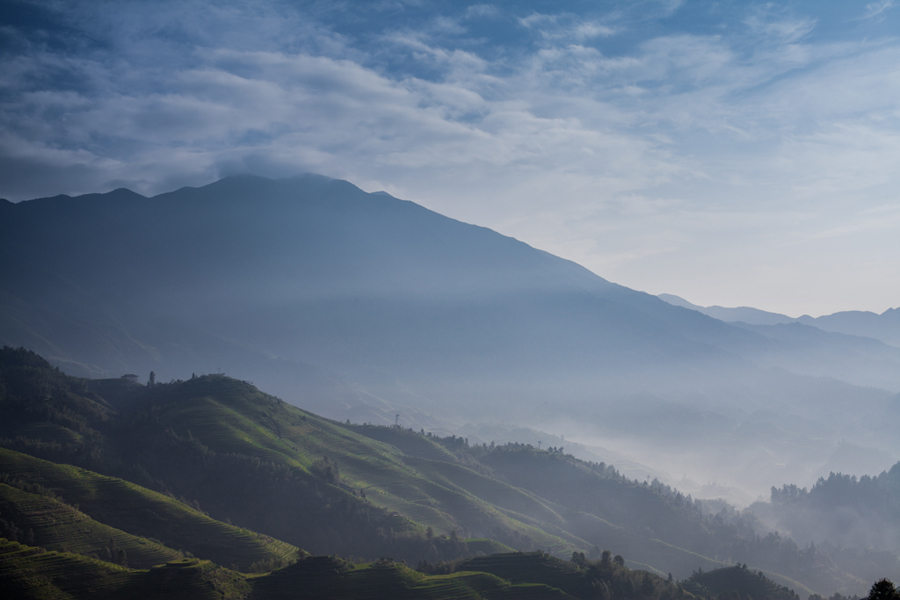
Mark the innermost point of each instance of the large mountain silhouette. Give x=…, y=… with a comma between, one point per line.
x=359, y=304
x=315, y=269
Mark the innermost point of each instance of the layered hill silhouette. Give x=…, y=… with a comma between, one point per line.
x=362, y=306
x=213, y=468
x=884, y=327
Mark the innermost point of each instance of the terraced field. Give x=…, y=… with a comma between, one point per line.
x=142, y=512
x=29, y=572
x=58, y=526
x=530, y=567
x=326, y=486
x=323, y=577
x=238, y=418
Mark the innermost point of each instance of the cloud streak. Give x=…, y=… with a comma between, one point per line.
x=608, y=138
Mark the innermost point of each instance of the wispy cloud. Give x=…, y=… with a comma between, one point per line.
x=876, y=9
x=778, y=24
x=606, y=137
x=565, y=27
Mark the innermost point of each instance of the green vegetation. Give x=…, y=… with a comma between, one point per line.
x=129, y=507
x=28, y=572
x=141, y=475
x=868, y=509
x=723, y=583
x=39, y=520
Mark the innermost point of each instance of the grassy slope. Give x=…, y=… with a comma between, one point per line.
x=322, y=576
x=29, y=572
x=142, y=512
x=229, y=416
x=418, y=478
x=58, y=526
x=398, y=470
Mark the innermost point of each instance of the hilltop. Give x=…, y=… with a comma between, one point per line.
x=216, y=453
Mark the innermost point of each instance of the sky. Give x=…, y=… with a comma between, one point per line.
x=732, y=153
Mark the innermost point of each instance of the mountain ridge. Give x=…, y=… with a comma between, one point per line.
x=884, y=326
x=364, y=305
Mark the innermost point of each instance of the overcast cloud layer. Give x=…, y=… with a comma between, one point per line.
x=734, y=153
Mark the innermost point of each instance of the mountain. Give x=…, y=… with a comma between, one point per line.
x=743, y=314
x=884, y=327
x=214, y=468
x=851, y=346
x=316, y=270
x=364, y=306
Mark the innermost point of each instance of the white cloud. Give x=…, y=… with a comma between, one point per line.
x=876, y=9
x=565, y=27
x=482, y=11
x=632, y=157
x=777, y=26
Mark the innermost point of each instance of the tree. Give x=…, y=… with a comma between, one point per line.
x=606, y=558
x=152, y=380
x=327, y=469
x=884, y=589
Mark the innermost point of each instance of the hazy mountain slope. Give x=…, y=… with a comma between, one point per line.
x=850, y=346
x=884, y=327
x=361, y=305
x=315, y=269
x=743, y=314
x=811, y=350
x=841, y=509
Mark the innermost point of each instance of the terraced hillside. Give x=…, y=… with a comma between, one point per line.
x=31, y=572
x=739, y=579
x=54, y=525
x=220, y=421
x=221, y=446
x=111, y=503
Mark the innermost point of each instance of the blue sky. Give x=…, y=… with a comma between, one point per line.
x=734, y=153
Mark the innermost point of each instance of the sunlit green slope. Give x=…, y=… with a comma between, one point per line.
x=54, y=525
x=241, y=456
x=31, y=572
x=130, y=508
x=229, y=417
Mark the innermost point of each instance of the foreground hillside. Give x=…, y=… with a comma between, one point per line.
x=360, y=306
x=198, y=466
x=29, y=572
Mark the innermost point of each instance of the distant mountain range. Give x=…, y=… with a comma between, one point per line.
x=884, y=327
x=362, y=306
